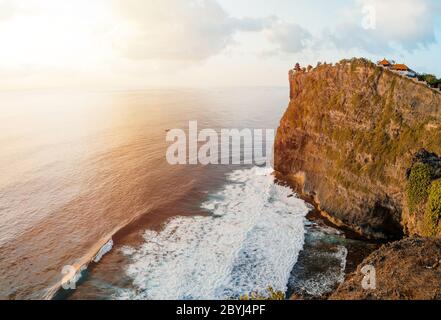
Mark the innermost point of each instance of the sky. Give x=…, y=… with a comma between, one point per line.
x=198, y=43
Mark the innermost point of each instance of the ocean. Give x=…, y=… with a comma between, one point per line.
x=85, y=185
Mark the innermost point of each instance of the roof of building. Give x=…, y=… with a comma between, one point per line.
x=400, y=67
x=384, y=62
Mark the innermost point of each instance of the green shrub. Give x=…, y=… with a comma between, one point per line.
x=430, y=79
x=418, y=185
x=433, y=209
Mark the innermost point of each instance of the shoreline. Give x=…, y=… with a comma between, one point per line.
x=157, y=219
x=355, y=255
x=358, y=250
x=318, y=214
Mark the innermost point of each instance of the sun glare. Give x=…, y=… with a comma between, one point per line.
x=53, y=34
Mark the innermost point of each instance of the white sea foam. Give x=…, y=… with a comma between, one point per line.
x=103, y=251
x=324, y=282
x=72, y=273
x=250, y=242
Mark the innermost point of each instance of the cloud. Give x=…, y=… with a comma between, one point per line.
x=179, y=29
x=288, y=37
x=408, y=24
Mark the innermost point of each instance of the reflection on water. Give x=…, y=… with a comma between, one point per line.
x=76, y=166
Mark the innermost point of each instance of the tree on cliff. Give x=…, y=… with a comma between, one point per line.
x=431, y=80
x=297, y=67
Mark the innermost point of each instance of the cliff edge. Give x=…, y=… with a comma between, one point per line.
x=351, y=137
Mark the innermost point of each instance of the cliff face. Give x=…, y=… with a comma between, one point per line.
x=349, y=138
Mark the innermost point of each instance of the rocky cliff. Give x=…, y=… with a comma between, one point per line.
x=349, y=139
x=409, y=269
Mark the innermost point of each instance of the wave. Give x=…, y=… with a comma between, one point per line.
x=249, y=242
x=320, y=281
x=103, y=251
x=72, y=273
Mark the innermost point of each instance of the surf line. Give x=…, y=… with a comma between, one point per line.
x=102, y=247
x=71, y=274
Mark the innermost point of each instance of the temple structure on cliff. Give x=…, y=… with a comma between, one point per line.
x=400, y=68
x=384, y=63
